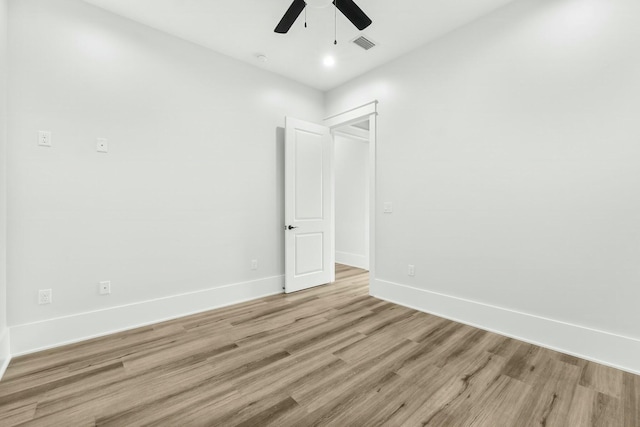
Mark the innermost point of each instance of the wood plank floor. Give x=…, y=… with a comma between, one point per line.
x=331, y=355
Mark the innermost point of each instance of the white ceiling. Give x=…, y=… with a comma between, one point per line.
x=243, y=29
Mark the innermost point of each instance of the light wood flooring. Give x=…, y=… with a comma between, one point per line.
x=331, y=355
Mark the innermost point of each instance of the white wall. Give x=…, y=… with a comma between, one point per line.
x=352, y=201
x=4, y=336
x=189, y=193
x=510, y=151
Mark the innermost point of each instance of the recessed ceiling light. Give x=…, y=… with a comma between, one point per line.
x=329, y=61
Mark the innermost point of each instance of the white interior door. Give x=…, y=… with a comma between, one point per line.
x=308, y=205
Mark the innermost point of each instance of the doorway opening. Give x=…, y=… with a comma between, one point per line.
x=354, y=180
x=351, y=193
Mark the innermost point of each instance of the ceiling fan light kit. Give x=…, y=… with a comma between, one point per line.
x=347, y=7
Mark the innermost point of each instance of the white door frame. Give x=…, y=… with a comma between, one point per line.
x=352, y=116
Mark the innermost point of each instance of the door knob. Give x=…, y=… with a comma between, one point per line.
x=289, y=227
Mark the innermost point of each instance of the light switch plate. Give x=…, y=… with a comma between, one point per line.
x=45, y=296
x=388, y=207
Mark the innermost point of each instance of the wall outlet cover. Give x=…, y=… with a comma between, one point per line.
x=44, y=138
x=102, y=145
x=104, y=288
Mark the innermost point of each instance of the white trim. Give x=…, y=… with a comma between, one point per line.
x=353, y=260
x=353, y=115
x=373, y=161
x=598, y=346
x=37, y=336
x=332, y=266
x=5, y=354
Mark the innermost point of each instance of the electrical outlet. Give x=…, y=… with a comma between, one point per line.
x=44, y=138
x=104, y=288
x=45, y=296
x=254, y=264
x=412, y=270
x=102, y=145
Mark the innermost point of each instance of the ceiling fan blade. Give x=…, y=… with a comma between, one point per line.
x=290, y=16
x=353, y=13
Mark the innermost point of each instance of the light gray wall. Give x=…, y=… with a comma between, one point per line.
x=4, y=350
x=510, y=150
x=352, y=201
x=191, y=189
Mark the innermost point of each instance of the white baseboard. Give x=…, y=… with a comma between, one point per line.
x=353, y=260
x=37, y=336
x=598, y=346
x=5, y=354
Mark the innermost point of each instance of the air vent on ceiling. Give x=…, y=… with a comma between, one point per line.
x=364, y=42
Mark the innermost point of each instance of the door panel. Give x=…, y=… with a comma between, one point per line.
x=309, y=253
x=308, y=205
x=308, y=176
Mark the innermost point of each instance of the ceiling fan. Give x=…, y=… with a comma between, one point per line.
x=348, y=8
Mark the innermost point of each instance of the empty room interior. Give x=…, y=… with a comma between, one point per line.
x=305, y=213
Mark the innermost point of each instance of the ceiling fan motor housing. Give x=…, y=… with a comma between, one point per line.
x=318, y=3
